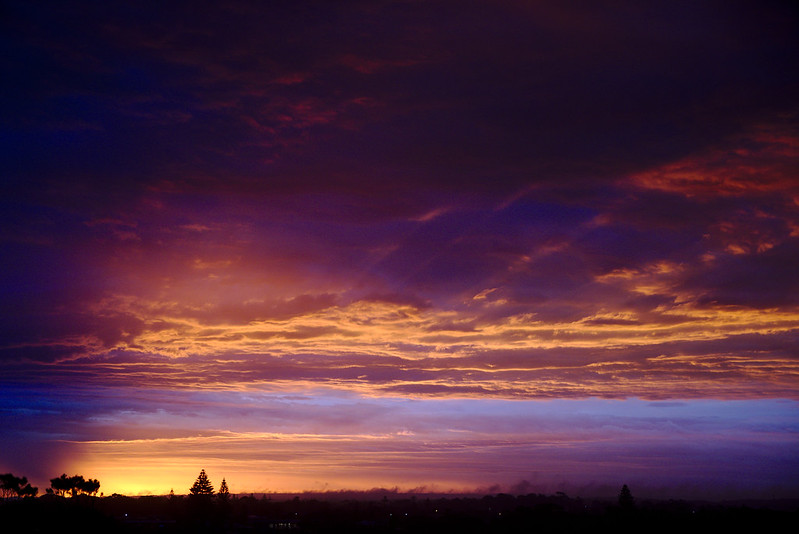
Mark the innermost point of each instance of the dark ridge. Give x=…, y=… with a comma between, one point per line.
x=391, y=512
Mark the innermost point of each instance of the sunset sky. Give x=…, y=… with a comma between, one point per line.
x=451, y=245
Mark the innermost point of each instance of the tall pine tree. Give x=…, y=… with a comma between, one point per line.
x=626, y=500
x=202, y=486
x=224, y=493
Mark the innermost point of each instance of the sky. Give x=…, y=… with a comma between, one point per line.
x=515, y=246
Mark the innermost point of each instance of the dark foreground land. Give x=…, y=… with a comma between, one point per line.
x=398, y=514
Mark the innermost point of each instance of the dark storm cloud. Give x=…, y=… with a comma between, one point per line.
x=183, y=95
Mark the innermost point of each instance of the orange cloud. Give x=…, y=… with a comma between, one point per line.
x=765, y=160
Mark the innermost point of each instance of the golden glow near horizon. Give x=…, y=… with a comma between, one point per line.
x=424, y=437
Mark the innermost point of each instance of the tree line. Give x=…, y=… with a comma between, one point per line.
x=74, y=486
x=12, y=486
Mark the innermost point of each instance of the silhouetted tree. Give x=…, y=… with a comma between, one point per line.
x=201, y=502
x=11, y=486
x=28, y=491
x=626, y=500
x=202, y=486
x=61, y=485
x=74, y=485
x=223, y=499
x=89, y=487
x=224, y=493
